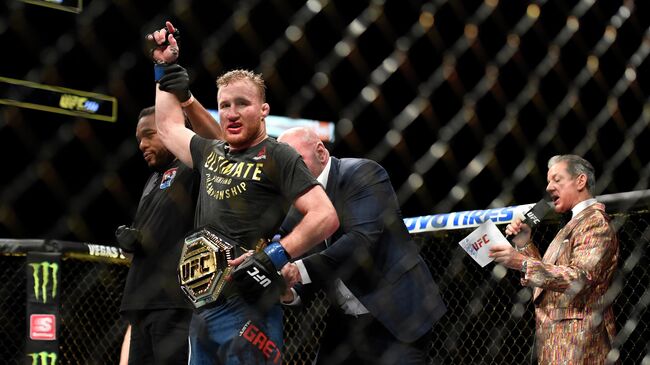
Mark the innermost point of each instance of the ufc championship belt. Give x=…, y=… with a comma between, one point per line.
x=204, y=266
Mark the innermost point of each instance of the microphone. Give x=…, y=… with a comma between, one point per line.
x=535, y=215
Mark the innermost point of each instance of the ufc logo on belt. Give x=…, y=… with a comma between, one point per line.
x=260, y=278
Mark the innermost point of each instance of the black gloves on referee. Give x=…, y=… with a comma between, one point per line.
x=129, y=239
x=176, y=81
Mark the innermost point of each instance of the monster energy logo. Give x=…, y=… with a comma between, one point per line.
x=43, y=358
x=43, y=269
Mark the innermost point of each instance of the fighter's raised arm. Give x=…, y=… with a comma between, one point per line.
x=170, y=121
x=176, y=80
x=173, y=97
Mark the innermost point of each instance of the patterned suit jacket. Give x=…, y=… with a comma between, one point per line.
x=574, y=324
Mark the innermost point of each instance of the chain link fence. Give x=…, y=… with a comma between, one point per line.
x=89, y=292
x=12, y=308
x=92, y=330
x=490, y=318
x=451, y=97
x=462, y=102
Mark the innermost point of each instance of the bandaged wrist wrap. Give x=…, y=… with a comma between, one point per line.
x=158, y=71
x=279, y=257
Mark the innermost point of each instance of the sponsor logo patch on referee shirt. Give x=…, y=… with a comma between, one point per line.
x=167, y=178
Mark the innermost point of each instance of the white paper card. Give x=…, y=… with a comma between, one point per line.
x=477, y=244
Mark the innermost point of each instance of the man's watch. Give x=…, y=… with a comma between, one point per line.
x=524, y=266
x=524, y=247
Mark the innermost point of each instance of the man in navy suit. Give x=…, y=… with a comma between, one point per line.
x=384, y=300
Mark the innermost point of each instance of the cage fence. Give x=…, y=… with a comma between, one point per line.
x=452, y=97
x=462, y=102
x=490, y=318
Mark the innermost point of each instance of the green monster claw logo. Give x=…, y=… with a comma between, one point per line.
x=40, y=288
x=46, y=358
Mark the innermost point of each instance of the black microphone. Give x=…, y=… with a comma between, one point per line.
x=535, y=215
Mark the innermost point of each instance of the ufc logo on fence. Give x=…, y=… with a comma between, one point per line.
x=260, y=278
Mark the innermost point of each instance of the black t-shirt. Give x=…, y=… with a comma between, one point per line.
x=164, y=216
x=245, y=194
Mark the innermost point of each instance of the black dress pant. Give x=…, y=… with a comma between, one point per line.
x=159, y=336
x=349, y=340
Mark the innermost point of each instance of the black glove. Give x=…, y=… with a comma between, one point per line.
x=150, y=44
x=128, y=238
x=176, y=81
x=258, y=281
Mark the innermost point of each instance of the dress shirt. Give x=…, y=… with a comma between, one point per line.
x=582, y=206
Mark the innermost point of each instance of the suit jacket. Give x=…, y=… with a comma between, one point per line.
x=569, y=286
x=373, y=253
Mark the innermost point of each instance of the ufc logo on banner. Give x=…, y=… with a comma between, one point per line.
x=260, y=278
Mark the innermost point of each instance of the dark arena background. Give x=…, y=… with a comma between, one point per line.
x=463, y=102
